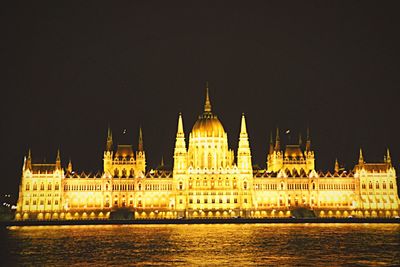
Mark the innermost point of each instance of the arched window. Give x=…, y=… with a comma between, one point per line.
x=282, y=186
x=27, y=187
x=42, y=186
x=56, y=187
x=245, y=185
x=377, y=185
x=180, y=185
x=370, y=185
x=116, y=173
x=209, y=160
x=391, y=185
x=313, y=186
x=49, y=186
x=131, y=173
x=363, y=186
x=384, y=185
x=124, y=173
x=140, y=187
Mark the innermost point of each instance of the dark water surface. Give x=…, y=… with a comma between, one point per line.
x=210, y=245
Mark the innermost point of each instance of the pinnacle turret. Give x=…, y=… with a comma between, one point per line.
x=58, y=160
x=140, y=143
x=109, y=145
x=361, y=158
x=336, y=166
x=207, y=105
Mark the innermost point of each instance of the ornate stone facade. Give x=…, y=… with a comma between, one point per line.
x=207, y=182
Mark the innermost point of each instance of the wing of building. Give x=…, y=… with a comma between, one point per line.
x=207, y=181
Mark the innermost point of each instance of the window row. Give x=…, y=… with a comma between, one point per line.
x=377, y=185
x=337, y=186
x=41, y=202
x=41, y=187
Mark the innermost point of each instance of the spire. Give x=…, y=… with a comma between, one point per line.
x=207, y=105
x=162, y=161
x=388, y=158
x=336, y=166
x=277, y=140
x=180, y=127
x=69, y=168
x=271, y=144
x=243, y=128
x=29, y=161
x=58, y=160
x=308, y=142
x=140, y=145
x=361, y=158
x=109, y=139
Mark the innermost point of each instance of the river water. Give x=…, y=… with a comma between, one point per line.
x=206, y=245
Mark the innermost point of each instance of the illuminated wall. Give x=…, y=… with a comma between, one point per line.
x=207, y=181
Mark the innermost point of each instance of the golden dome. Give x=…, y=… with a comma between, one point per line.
x=208, y=124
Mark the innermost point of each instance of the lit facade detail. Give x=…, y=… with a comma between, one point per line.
x=206, y=181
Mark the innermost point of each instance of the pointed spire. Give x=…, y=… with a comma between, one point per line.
x=109, y=144
x=277, y=140
x=29, y=161
x=388, y=158
x=207, y=105
x=140, y=145
x=180, y=126
x=336, y=166
x=361, y=158
x=58, y=159
x=162, y=161
x=69, y=168
x=243, y=128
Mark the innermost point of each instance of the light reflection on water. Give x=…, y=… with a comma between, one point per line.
x=233, y=244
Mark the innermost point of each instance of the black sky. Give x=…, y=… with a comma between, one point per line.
x=67, y=70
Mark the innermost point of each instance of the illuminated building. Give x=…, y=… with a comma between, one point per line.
x=206, y=181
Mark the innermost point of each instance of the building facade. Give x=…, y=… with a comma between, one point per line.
x=207, y=181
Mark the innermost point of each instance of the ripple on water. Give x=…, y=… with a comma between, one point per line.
x=233, y=244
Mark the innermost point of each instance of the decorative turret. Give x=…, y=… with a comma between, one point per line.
x=28, y=163
x=140, y=143
x=244, y=154
x=388, y=158
x=109, y=145
x=180, y=153
x=361, y=158
x=108, y=153
x=58, y=160
x=336, y=166
x=69, y=168
x=207, y=105
x=140, y=154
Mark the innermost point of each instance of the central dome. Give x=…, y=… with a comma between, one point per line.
x=208, y=124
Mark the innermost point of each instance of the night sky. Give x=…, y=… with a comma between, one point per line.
x=67, y=71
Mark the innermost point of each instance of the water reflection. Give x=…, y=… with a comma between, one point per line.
x=245, y=244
